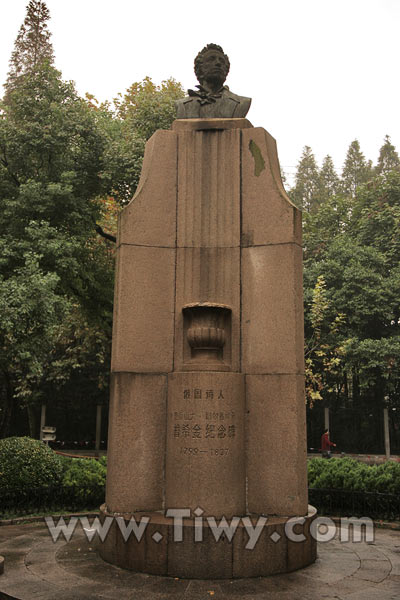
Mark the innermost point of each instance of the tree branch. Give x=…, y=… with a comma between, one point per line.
x=105, y=235
x=4, y=161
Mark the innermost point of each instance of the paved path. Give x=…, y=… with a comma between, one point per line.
x=38, y=569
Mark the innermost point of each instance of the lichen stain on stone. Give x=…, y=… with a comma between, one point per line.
x=259, y=163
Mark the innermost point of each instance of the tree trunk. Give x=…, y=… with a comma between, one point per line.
x=32, y=421
x=6, y=406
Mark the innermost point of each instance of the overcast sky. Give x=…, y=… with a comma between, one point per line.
x=320, y=72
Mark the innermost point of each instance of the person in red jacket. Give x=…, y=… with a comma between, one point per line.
x=326, y=444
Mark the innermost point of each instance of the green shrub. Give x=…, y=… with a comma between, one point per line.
x=28, y=463
x=85, y=472
x=350, y=474
x=88, y=476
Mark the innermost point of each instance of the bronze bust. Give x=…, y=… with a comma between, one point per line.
x=212, y=99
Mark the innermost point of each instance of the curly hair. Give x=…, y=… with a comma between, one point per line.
x=198, y=61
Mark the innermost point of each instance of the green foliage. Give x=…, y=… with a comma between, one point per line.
x=32, y=45
x=147, y=107
x=388, y=158
x=51, y=152
x=30, y=312
x=88, y=476
x=329, y=182
x=61, y=160
x=127, y=126
x=84, y=472
x=349, y=474
x=304, y=194
x=322, y=226
x=28, y=463
x=56, y=292
x=354, y=244
x=356, y=170
x=323, y=352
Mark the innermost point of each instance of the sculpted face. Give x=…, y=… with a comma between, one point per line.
x=214, y=67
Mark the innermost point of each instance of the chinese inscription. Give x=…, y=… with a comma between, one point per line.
x=198, y=423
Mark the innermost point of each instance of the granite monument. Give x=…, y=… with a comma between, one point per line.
x=207, y=415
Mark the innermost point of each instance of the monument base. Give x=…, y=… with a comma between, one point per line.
x=188, y=548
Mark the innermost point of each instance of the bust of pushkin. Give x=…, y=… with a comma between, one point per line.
x=212, y=99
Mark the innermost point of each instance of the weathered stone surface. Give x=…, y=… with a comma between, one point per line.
x=150, y=217
x=276, y=445
x=204, y=124
x=208, y=275
x=199, y=560
x=301, y=552
x=209, y=189
x=208, y=327
x=145, y=555
x=267, y=556
x=272, y=309
x=268, y=216
x=144, y=310
x=136, y=442
x=205, y=461
x=210, y=554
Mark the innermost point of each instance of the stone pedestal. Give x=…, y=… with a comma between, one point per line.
x=207, y=406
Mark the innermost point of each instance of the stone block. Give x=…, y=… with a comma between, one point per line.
x=149, y=554
x=205, y=124
x=144, y=310
x=150, y=217
x=272, y=309
x=268, y=215
x=208, y=275
x=207, y=559
x=276, y=445
x=301, y=551
x=136, y=442
x=268, y=557
x=209, y=189
x=205, y=462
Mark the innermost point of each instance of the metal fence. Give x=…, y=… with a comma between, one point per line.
x=334, y=502
x=16, y=501
x=355, y=503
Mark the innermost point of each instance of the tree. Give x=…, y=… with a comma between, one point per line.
x=323, y=350
x=147, y=107
x=127, y=126
x=66, y=166
x=51, y=158
x=32, y=45
x=388, y=158
x=50, y=181
x=30, y=311
x=321, y=227
x=360, y=265
x=305, y=191
x=328, y=180
x=356, y=169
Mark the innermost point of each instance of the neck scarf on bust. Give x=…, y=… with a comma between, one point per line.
x=204, y=96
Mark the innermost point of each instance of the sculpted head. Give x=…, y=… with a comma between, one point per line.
x=212, y=65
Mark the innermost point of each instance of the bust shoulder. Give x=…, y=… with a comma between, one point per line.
x=180, y=107
x=227, y=106
x=243, y=103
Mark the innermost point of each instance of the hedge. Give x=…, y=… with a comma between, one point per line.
x=350, y=474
